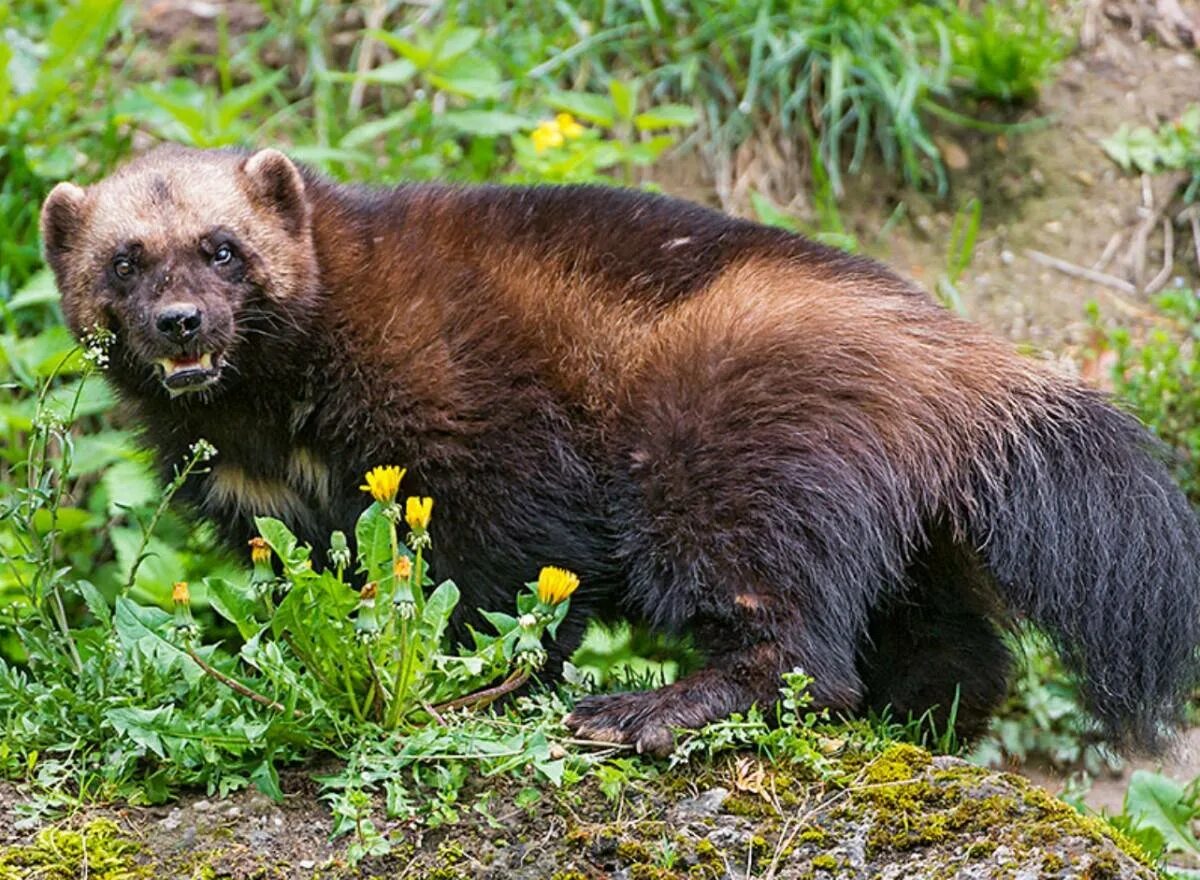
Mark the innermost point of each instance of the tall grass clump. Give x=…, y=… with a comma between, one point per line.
x=855, y=77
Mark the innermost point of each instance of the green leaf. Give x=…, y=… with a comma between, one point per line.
x=624, y=99
x=596, y=109
x=766, y=212
x=364, y=134
x=39, y=290
x=129, y=483
x=1157, y=802
x=236, y=603
x=436, y=616
x=373, y=534
x=266, y=778
x=552, y=770
x=140, y=725
x=281, y=539
x=455, y=41
x=234, y=103
x=666, y=116
x=484, y=123
x=95, y=601
x=98, y=451
x=394, y=73
x=161, y=567
x=139, y=629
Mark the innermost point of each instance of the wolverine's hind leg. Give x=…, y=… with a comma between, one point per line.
x=933, y=647
x=759, y=510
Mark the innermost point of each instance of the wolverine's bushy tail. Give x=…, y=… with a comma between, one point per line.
x=1087, y=535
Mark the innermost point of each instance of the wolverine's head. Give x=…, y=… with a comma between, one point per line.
x=189, y=257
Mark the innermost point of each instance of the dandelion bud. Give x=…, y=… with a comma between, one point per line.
x=184, y=623
x=402, y=568
x=260, y=551
x=366, y=624
x=417, y=512
x=339, y=550
x=527, y=621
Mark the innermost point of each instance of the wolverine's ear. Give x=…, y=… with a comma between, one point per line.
x=276, y=184
x=62, y=219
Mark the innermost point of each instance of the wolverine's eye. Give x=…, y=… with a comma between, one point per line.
x=222, y=256
x=123, y=268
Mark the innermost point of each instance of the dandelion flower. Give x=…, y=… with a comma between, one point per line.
x=546, y=136
x=402, y=568
x=417, y=512
x=555, y=585
x=384, y=482
x=567, y=126
x=180, y=594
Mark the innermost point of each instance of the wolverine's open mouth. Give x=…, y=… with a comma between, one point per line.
x=184, y=374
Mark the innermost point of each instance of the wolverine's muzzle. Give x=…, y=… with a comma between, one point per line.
x=179, y=324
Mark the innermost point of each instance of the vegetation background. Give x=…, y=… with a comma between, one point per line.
x=1033, y=163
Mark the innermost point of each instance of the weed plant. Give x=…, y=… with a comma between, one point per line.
x=1157, y=375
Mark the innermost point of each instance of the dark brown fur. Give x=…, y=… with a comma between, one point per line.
x=719, y=426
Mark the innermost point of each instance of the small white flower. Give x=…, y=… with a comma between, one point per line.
x=203, y=450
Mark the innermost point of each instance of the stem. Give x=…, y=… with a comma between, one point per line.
x=234, y=684
x=376, y=686
x=400, y=692
x=486, y=696
x=349, y=685
x=176, y=484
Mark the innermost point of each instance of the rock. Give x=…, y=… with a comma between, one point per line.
x=892, y=815
x=706, y=804
x=953, y=155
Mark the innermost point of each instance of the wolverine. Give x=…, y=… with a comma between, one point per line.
x=721, y=427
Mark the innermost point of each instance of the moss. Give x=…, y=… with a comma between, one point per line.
x=815, y=835
x=569, y=875
x=1052, y=864
x=981, y=849
x=651, y=872
x=826, y=862
x=61, y=854
x=706, y=851
x=751, y=807
x=896, y=763
x=632, y=851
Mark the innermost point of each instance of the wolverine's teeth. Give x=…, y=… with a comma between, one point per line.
x=176, y=365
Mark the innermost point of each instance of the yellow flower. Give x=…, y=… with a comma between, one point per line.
x=384, y=482
x=260, y=551
x=568, y=126
x=180, y=594
x=402, y=568
x=555, y=585
x=417, y=512
x=546, y=135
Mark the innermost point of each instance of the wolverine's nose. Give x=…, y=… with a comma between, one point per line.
x=179, y=322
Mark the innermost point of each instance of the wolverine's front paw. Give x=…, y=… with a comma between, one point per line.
x=637, y=719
